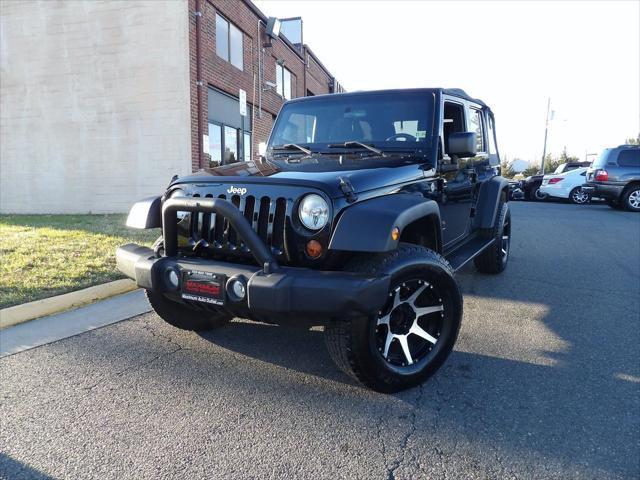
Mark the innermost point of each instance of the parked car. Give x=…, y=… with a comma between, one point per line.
x=356, y=218
x=532, y=183
x=615, y=176
x=515, y=190
x=566, y=185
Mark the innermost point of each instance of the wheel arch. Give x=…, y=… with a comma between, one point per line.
x=491, y=193
x=367, y=225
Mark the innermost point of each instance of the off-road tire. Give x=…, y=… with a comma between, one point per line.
x=350, y=340
x=185, y=317
x=493, y=260
x=630, y=197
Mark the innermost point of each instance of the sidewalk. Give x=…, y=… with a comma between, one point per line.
x=67, y=324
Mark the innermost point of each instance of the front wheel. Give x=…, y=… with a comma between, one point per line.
x=579, y=196
x=405, y=342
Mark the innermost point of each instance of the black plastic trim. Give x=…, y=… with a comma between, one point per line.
x=283, y=293
x=367, y=225
x=488, y=201
x=147, y=213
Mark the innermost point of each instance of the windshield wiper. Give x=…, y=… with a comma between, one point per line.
x=353, y=143
x=292, y=146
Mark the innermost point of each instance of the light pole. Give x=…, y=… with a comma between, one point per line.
x=546, y=130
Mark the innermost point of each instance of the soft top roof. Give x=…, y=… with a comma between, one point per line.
x=456, y=92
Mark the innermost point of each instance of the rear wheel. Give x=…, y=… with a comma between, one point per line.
x=631, y=198
x=579, y=196
x=495, y=257
x=184, y=316
x=412, y=335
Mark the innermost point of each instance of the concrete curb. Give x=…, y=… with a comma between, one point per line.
x=47, y=306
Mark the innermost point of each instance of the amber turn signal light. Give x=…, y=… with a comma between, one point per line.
x=395, y=233
x=314, y=249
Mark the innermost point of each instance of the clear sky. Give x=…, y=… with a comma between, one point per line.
x=585, y=55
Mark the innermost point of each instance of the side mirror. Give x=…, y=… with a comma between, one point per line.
x=462, y=144
x=262, y=149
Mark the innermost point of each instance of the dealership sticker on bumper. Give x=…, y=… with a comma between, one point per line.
x=203, y=287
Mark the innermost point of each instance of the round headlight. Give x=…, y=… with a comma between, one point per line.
x=313, y=212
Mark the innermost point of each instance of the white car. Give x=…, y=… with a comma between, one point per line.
x=566, y=185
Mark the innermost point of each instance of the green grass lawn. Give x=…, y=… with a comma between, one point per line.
x=46, y=255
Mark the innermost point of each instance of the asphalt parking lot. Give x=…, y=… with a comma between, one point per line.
x=544, y=383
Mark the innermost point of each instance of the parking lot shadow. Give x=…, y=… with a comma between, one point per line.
x=15, y=470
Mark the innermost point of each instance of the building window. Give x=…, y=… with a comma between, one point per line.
x=229, y=132
x=215, y=144
x=228, y=144
x=229, y=42
x=247, y=147
x=283, y=81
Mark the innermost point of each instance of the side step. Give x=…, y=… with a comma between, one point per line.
x=466, y=252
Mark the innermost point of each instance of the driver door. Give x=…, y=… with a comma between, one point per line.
x=457, y=176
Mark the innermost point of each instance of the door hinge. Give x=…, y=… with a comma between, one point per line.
x=473, y=212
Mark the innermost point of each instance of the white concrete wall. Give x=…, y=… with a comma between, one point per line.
x=94, y=110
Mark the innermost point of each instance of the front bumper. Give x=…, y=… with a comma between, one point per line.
x=272, y=290
x=285, y=291
x=603, y=190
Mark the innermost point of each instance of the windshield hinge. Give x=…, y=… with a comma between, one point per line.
x=347, y=189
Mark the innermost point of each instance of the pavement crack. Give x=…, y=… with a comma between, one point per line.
x=404, y=442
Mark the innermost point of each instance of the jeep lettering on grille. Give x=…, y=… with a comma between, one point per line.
x=236, y=190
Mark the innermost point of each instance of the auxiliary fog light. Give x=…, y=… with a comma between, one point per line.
x=237, y=288
x=173, y=279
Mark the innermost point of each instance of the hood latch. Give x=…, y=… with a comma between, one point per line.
x=347, y=189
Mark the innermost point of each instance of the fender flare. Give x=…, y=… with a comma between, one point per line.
x=367, y=225
x=147, y=213
x=488, y=201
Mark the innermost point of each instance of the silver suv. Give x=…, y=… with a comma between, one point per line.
x=615, y=176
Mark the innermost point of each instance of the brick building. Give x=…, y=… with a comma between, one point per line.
x=268, y=68
x=102, y=101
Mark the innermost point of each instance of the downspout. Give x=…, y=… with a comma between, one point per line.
x=199, y=82
x=259, y=40
x=305, y=66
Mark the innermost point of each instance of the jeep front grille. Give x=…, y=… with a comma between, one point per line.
x=267, y=216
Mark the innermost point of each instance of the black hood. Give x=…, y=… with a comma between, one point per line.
x=361, y=179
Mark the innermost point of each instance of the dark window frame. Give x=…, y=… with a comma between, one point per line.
x=291, y=77
x=240, y=133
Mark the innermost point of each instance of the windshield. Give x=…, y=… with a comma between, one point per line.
x=401, y=121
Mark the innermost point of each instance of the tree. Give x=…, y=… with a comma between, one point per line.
x=633, y=141
x=532, y=170
x=506, y=170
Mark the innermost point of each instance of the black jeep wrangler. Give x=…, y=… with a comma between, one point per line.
x=356, y=218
